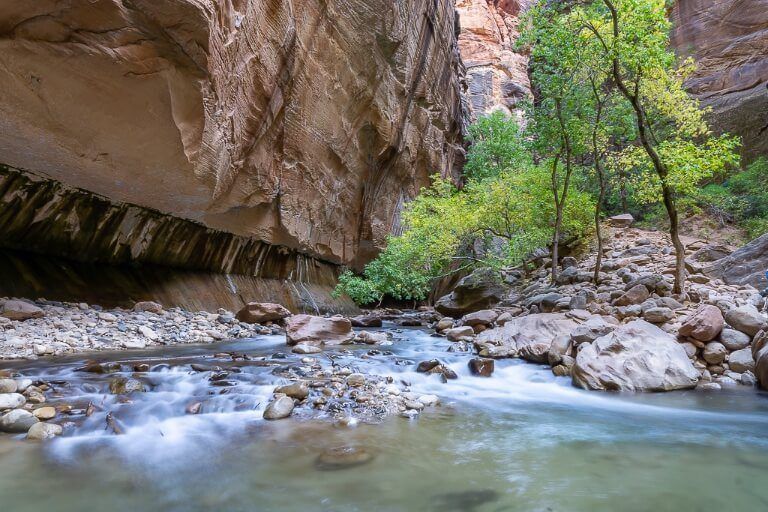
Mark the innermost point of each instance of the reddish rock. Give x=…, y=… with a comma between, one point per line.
x=259, y=312
x=705, y=324
x=481, y=367
x=317, y=330
x=635, y=295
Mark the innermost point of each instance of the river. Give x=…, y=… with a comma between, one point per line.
x=522, y=440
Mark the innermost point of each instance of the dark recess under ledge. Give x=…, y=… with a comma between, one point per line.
x=68, y=244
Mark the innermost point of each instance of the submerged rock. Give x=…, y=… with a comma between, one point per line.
x=343, y=457
x=637, y=356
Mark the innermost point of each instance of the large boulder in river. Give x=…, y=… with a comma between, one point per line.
x=481, y=289
x=705, y=324
x=760, y=355
x=317, y=330
x=259, y=312
x=638, y=356
x=523, y=331
x=744, y=266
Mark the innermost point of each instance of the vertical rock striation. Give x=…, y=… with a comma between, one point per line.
x=729, y=41
x=497, y=75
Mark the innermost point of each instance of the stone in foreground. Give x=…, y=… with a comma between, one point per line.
x=20, y=310
x=481, y=367
x=746, y=319
x=279, y=408
x=317, y=330
x=638, y=356
x=705, y=324
x=17, y=421
x=41, y=431
x=259, y=312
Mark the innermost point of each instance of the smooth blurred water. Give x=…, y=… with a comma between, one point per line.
x=522, y=440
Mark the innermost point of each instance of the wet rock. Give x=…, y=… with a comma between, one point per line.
x=20, y=310
x=122, y=386
x=8, y=386
x=621, y=221
x=636, y=295
x=17, y=421
x=261, y=312
x=460, y=333
x=561, y=370
x=734, y=340
x=425, y=366
x=356, y=380
x=409, y=414
x=481, y=367
x=42, y=431
x=297, y=390
x=443, y=324
x=366, y=321
x=343, y=457
x=705, y=324
x=481, y=289
x=746, y=319
x=429, y=400
x=508, y=341
x=279, y=408
x=317, y=330
x=148, y=307
x=483, y=317
x=714, y=353
x=193, y=408
x=372, y=338
x=741, y=361
x=302, y=348
x=637, y=356
x=445, y=372
x=11, y=401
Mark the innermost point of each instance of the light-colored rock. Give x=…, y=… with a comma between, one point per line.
x=658, y=315
x=508, y=340
x=372, y=337
x=11, y=400
x=8, y=386
x=317, y=330
x=297, y=390
x=705, y=324
x=635, y=295
x=261, y=312
x=734, y=340
x=148, y=333
x=20, y=310
x=459, y=333
x=279, y=408
x=741, y=361
x=45, y=413
x=483, y=317
x=623, y=220
x=714, y=353
x=302, y=348
x=17, y=421
x=148, y=306
x=42, y=431
x=746, y=319
x=637, y=356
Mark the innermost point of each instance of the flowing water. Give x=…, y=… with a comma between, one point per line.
x=522, y=440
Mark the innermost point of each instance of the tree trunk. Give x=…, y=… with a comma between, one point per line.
x=598, y=229
x=556, y=241
x=669, y=203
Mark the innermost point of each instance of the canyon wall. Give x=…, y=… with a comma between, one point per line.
x=497, y=75
x=283, y=127
x=729, y=41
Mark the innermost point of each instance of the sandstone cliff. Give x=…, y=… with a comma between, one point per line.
x=729, y=40
x=497, y=76
x=303, y=123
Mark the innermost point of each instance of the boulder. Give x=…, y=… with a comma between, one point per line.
x=443, y=324
x=459, y=333
x=306, y=349
x=297, y=390
x=42, y=431
x=260, y=312
x=279, y=408
x=734, y=340
x=20, y=310
x=760, y=355
x=482, y=317
x=8, y=386
x=637, y=294
x=372, y=338
x=481, y=367
x=714, y=353
x=658, y=315
x=11, y=401
x=508, y=340
x=17, y=421
x=741, y=361
x=317, y=330
x=711, y=252
x=545, y=301
x=621, y=221
x=366, y=321
x=746, y=319
x=593, y=328
x=705, y=324
x=481, y=289
x=744, y=266
x=637, y=356
x=148, y=306
x=343, y=457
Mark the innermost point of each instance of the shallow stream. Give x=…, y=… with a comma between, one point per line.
x=522, y=440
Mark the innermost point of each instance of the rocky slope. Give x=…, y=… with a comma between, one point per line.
x=302, y=124
x=729, y=41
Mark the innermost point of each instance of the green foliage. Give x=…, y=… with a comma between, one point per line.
x=497, y=146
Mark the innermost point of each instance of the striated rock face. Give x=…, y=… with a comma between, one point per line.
x=729, y=41
x=497, y=76
x=305, y=124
